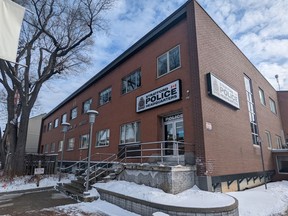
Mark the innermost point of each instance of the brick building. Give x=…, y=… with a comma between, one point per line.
x=184, y=82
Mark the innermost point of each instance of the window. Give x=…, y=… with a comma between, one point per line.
x=46, y=148
x=71, y=143
x=251, y=110
x=49, y=126
x=130, y=133
x=279, y=142
x=64, y=118
x=105, y=96
x=272, y=106
x=282, y=163
x=103, y=138
x=73, y=113
x=131, y=82
x=60, y=146
x=56, y=123
x=169, y=61
x=84, y=139
x=262, y=97
x=86, y=105
x=52, y=148
x=269, y=141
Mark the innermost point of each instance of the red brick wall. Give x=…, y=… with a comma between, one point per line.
x=229, y=148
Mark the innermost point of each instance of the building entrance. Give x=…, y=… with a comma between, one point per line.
x=173, y=134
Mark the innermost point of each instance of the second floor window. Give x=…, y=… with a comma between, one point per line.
x=84, y=139
x=73, y=113
x=56, y=123
x=169, y=61
x=131, y=82
x=105, y=96
x=64, y=118
x=262, y=97
x=86, y=105
x=272, y=106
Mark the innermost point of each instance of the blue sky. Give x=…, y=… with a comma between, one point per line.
x=258, y=28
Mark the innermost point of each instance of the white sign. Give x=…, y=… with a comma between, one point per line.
x=160, y=96
x=38, y=171
x=222, y=91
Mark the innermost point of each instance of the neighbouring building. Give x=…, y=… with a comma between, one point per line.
x=33, y=134
x=186, y=86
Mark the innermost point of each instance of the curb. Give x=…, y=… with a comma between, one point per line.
x=28, y=190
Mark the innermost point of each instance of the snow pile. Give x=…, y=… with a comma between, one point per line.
x=193, y=197
x=30, y=182
x=261, y=202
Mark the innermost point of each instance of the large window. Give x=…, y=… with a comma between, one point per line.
x=268, y=138
x=251, y=110
x=73, y=113
x=64, y=118
x=84, y=141
x=262, y=97
x=130, y=133
x=86, y=105
x=169, y=61
x=103, y=138
x=60, y=146
x=105, y=96
x=272, y=106
x=131, y=82
x=71, y=143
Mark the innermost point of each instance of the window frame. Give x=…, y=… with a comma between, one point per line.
x=107, y=138
x=104, y=92
x=279, y=142
x=52, y=147
x=60, y=145
x=62, y=118
x=125, y=80
x=84, y=138
x=86, y=103
x=273, y=107
x=73, y=113
x=167, y=63
x=56, y=122
x=251, y=110
x=262, y=96
x=46, y=148
x=50, y=126
x=136, y=126
x=69, y=144
x=269, y=139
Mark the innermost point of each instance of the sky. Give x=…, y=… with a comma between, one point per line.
x=258, y=28
x=257, y=201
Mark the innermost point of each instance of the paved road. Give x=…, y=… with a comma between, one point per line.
x=18, y=203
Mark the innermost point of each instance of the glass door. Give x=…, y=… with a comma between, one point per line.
x=173, y=132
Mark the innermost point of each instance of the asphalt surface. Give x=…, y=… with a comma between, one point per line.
x=19, y=203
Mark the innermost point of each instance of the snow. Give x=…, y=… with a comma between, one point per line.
x=193, y=197
x=256, y=202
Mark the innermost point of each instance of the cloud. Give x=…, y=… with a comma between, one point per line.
x=259, y=29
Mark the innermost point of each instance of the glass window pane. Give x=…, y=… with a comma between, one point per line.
x=162, y=65
x=174, y=58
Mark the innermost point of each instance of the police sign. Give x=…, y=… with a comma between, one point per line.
x=160, y=96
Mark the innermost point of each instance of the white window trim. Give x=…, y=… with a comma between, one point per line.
x=168, y=63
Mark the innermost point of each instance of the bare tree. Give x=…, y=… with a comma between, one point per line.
x=54, y=40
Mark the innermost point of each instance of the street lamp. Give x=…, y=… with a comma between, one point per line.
x=92, y=116
x=65, y=128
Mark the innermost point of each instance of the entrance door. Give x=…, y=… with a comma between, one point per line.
x=173, y=132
